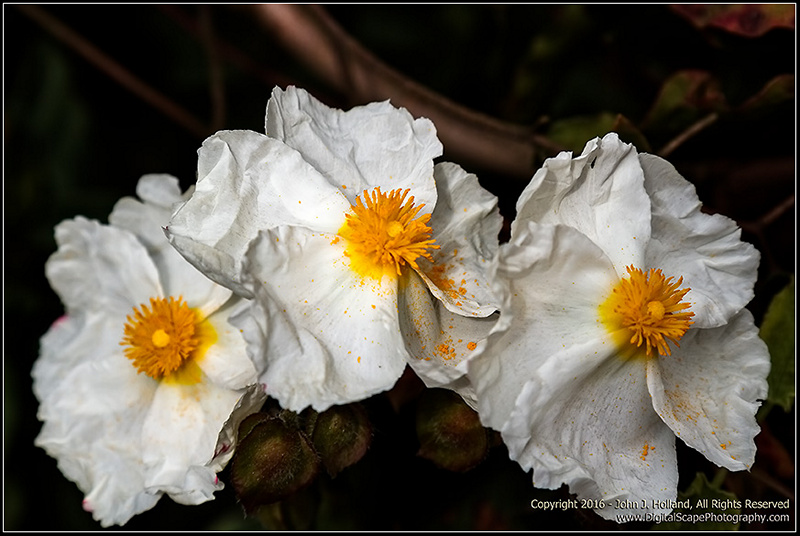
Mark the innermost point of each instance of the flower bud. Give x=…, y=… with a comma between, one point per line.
x=273, y=460
x=449, y=431
x=342, y=435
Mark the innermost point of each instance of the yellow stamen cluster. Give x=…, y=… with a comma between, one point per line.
x=161, y=338
x=384, y=233
x=649, y=305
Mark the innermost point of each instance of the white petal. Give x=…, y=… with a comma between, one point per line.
x=557, y=279
x=72, y=340
x=588, y=422
x=709, y=389
x=321, y=334
x=251, y=401
x=248, y=182
x=146, y=220
x=600, y=193
x=159, y=189
x=706, y=250
x=179, y=439
x=82, y=430
x=466, y=224
x=226, y=362
x=438, y=340
x=98, y=267
x=367, y=146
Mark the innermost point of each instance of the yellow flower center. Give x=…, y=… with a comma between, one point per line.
x=647, y=305
x=384, y=233
x=163, y=339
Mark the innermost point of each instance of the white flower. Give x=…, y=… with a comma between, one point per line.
x=143, y=382
x=355, y=249
x=623, y=326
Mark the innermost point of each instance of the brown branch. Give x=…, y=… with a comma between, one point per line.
x=681, y=138
x=215, y=74
x=778, y=211
x=231, y=54
x=115, y=70
x=469, y=137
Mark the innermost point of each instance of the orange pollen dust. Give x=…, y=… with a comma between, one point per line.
x=384, y=231
x=160, y=339
x=649, y=305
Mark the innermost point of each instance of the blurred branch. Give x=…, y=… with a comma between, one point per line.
x=231, y=54
x=216, y=78
x=476, y=139
x=115, y=70
x=777, y=212
x=772, y=482
x=681, y=138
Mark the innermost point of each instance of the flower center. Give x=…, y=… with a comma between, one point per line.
x=649, y=306
x=160, y=339
x=384, y=233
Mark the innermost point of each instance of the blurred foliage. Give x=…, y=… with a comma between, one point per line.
x=777, y=330
x=703, y=497
x=748, y=20
x=694, y=84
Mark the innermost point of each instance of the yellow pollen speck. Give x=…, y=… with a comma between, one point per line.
x=471, y=345
x=165, y=338
x=646, y=308
x=385, y=233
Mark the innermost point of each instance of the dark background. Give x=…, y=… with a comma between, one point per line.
x=75, y=141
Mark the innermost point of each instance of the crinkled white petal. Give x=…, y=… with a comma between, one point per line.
x=251, y=401
x=556, y=280
x=179, y=439
x=466, y=224
x=92, y=421
x=586, y=420
x=706, y=250
x=159, y=189
x=439, y=341
x=98, y=267
x=319, y=333
x=71, y=340
x=600, y=193
x=364, y=147
x=146, y=219
x=248, y=182
x=710, y=388
x=226, y=362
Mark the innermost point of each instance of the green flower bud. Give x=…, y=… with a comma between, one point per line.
x=449, y=431
x=342, y=435
x=273, y=460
